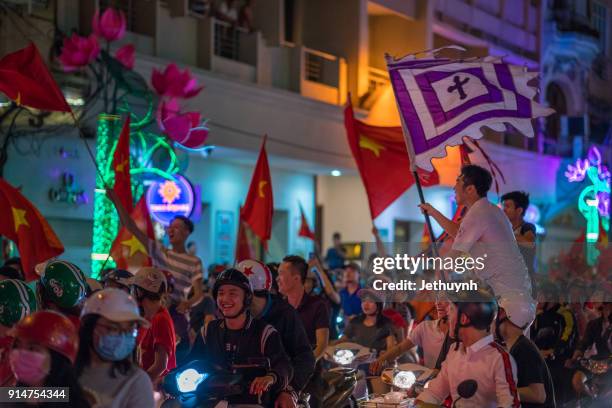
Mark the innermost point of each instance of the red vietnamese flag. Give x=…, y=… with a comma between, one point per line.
x=121, y=165
x=23, y=224
x=259, y=205
x=305, y=230
x=127, y=251
x=243, y=246
x=381, y=156
x=25, y=79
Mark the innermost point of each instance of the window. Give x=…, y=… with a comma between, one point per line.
x=289, y=20
x=599, y=20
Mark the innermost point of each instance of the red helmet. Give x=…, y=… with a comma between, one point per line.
x=50, y=329
x=258, y=273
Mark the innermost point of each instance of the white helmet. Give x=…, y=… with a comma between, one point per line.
x=115, y=305
x=258, y=273
x=521, y=312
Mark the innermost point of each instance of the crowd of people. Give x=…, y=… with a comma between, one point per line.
x=113, y=341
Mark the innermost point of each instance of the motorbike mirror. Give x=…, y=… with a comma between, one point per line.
x=466, y=389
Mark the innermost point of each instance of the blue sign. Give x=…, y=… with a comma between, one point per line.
x=168, y=198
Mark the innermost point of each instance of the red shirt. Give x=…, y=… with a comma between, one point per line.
x=161, y=332
x=7, y=378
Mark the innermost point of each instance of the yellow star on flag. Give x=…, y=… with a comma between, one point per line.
x=135, y=246
x=19, y=217
x=120, y=167
x=370, y=144
x=262, y=184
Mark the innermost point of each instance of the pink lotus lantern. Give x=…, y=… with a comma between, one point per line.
x=186, y=129
x=174, y=83
x=78, y=52
x=111, y=26
x=125, y=55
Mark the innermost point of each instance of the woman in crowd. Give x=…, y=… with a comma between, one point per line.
x=105, y=362
x=43, y=355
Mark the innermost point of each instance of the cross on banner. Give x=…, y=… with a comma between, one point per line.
x=458, y=86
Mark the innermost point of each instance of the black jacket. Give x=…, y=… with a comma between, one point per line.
x=257, y=340
x=285, y=319
x=595, y=333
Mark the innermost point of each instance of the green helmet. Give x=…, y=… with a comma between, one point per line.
x=63, y=283
x=17, y=301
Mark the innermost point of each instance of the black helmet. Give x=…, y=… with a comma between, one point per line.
x=479, y=306
x=234, y=277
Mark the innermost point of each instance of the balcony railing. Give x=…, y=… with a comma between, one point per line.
x=378, y=79
x=322, y=76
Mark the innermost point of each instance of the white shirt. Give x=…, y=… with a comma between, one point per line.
x=486, y=230
x=486, y=362
x=430, y=338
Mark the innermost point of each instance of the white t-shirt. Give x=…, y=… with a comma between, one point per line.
x=428, y=336
x=486, y=232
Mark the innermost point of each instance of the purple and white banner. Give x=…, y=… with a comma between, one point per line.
x=441, y=101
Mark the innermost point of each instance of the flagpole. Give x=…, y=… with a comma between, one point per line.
x=413, y=168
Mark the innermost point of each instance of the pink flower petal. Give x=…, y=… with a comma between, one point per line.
x=177, y=128
x=166, y=110
x=196, y=138
x=125, y=55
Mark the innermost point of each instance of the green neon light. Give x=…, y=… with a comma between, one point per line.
x=587, y=204
x=105, y=220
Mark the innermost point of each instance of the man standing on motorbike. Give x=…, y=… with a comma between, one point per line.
x=477, y=357
x=239, y=339
x=274, y=310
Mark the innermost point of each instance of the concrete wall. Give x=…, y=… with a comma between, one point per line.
x=399, y=36
x=179, y=42
x=340, y=28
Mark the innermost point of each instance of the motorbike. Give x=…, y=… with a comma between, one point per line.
x=408, y=375
x=599, y=382
x=192, y=386
x=350, y=356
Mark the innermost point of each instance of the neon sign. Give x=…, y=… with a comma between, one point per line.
x=168, y=198
x=594, y=199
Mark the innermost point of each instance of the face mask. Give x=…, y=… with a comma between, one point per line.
x=115, y=347
x=28, y=366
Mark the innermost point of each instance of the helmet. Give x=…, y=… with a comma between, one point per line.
x=120, y=276
x=50, y=329
x=151, y=279
x=234, y=277
x=115, y=305
x=520, y=312
x=258, y=274
x=16, y=301
x=93, y=284
x=479, y=306
x=63, y=283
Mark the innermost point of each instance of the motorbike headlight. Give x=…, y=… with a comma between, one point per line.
x=188, y=380
x=344, y=356
x=404, y=379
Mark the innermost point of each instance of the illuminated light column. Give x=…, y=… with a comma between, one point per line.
x=594, y=199
x=105, y=222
